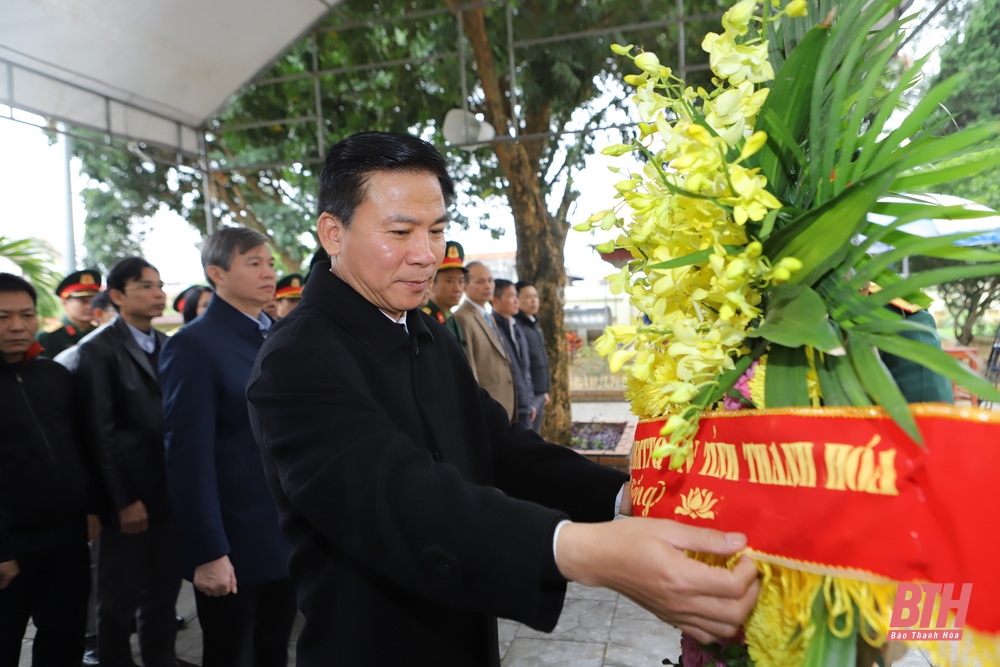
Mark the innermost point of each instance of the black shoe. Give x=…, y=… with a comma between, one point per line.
x=182, y=622
x=90, y=653
x=178, y=662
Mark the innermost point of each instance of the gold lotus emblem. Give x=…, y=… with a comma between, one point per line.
x=697, y=504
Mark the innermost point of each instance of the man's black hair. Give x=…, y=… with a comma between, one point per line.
x=521, y=284
x=343, y=184
x=101, y=301
x=500, y=285
x=128, y=269
x=11, y=283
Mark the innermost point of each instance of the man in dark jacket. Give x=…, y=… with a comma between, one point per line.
x=115, y=368
x=527, y=319
x=232, y=548
x=417, y=512
x=505, y=306
x=44, y=562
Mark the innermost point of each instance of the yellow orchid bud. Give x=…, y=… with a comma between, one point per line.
x=753, y=251
x=606, y=247
x=622, y=50
x=584, y=226
x=617, y=150
x=636, y=79
x=683, y=395
x=648, y=62
x=618, y=359
x=610, y=220
x=781, y=275
x=626, y=185
x=673, y=423
x=797, y=9
x=790, y=263
x=754, y=143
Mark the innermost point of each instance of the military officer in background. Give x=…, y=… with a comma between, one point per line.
x=76, y=290
x=288, y=293
x=447, y=290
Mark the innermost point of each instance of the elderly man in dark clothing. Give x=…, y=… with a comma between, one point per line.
x=115, y=368
x=538, y=358
x=44, y=562
x=416, y=511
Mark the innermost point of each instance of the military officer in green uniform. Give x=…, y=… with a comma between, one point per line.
x=288, y=293
x=918, y=383
x=76, y=290
x=447, y=290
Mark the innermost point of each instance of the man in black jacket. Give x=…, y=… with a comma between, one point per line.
x=115, y=368
x=416, y=511
x=505, y=306
x=44, y=563
x=538, y=358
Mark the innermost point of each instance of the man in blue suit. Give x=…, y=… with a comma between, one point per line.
x=232, y=547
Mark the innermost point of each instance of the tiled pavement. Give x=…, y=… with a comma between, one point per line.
x=597, y=628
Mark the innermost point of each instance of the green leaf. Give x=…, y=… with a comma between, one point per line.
x=933, y=359
x=825, y=648
x=829, y=387
x=917, y=281
x=878, y=383
x=785, y=379
x=822, y=237
x=796, y=316
x=848, y=380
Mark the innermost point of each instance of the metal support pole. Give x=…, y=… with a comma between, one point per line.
x=514, y=124
x=681, y=59
x=206, y=183
x=70, y=233
x=316, y=95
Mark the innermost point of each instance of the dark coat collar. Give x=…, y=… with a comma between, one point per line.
x=356, y=315
x=120, y=327
x=219, y=310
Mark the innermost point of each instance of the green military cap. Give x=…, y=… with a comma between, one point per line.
x=454, y=257
x=80, y=283
x=289, y=287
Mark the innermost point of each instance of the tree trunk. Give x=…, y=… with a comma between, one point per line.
x=540, y=239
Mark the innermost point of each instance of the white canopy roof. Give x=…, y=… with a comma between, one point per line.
x=148, y=70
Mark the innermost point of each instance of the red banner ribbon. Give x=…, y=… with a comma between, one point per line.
x=843, y=491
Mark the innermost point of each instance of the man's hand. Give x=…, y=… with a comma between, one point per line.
x=531, y=417
x=133, y=519
x=215, y=578
x=8, y=570
x=93, y=527
x=547, y=399
x=644, y=560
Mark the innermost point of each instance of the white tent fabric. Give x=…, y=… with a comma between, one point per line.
x=147, y=70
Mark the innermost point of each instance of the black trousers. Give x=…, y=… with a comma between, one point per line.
x=249, y=629
x=52, y=588
x=138, y=578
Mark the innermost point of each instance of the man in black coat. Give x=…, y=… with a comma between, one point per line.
x=527, y=319
x=505, y=306
x=115, y=368
x=416, y=511
x=44, y=562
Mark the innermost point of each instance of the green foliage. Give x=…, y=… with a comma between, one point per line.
x=33, y=258
x=833, y=156
x=966, y=299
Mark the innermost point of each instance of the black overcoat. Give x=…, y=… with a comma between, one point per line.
x=417, y=513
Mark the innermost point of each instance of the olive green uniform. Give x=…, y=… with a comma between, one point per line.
x=62, y=338
x=448, y=320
